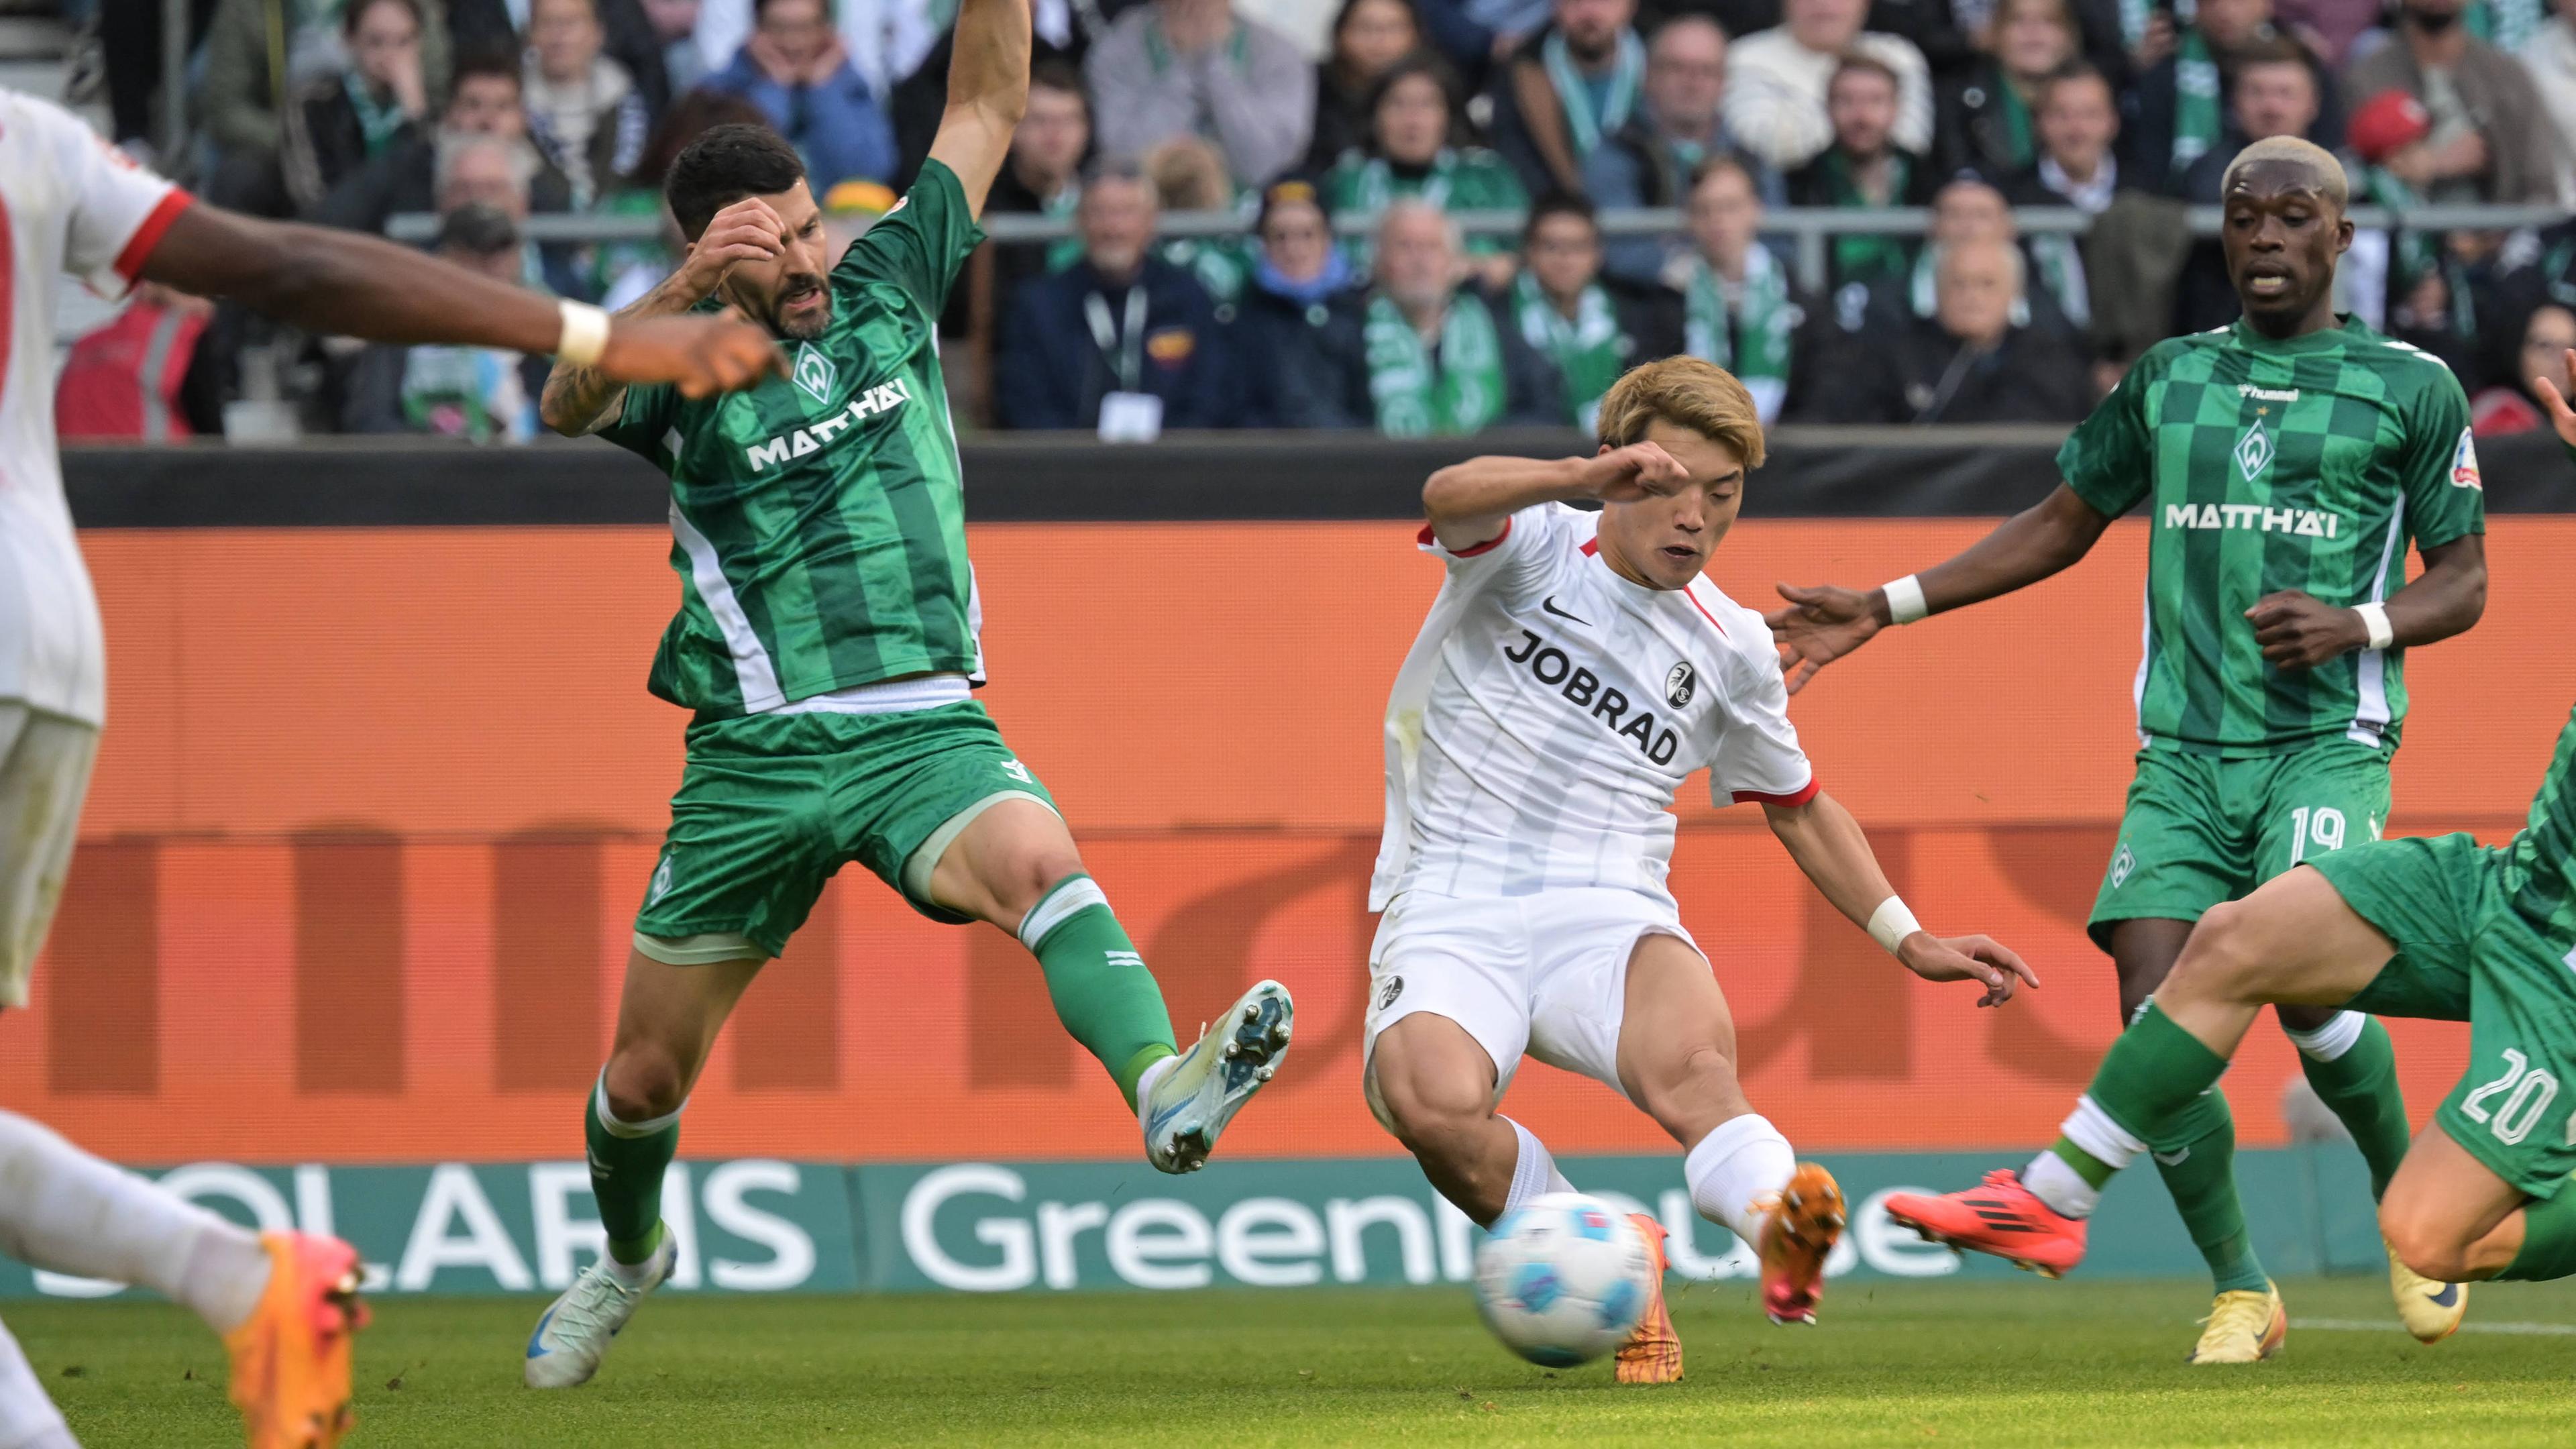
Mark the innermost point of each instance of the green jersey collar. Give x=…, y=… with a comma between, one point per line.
x=2326, y=339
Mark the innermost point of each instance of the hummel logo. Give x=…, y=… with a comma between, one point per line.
x=1549, y=604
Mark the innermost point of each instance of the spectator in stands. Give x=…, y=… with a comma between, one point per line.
x=239, y=98
x=795, y=70
x=372, y=106
x=1121, y=321
x=1864, y=167
x=1477, y=35
x=2274, y=93
x=2546, y=339
x=2078, y=125
x=1189, y=175
x=1650, y=161
x=1777, y=82
x=1970, y=362
x=1567, y=89
x=631, y=39
x=485, y=103
x=584, y=112
x=2551, y=57
x=1369, y=37
x=490, y=171
x=1987, y=118
x=623, y=271
x=1304, y=309
x=1043, y=175
x=675, y=28
x=887, y=40
x=135, y=379
x=2330, y=29
x=2492, y=138
x=1438, y=355
x=1740, y=309
x=2176, y=112
x=1591, y=327
x=1414, y=154
x=1194, y=68
x=478, y=394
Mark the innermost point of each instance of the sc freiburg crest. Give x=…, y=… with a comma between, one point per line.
x=1680, y=685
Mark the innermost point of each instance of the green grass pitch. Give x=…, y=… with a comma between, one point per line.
x=1978, y=1364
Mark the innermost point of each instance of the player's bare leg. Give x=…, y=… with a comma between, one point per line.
x=2449, y=1216
x=668, y=1016
x=1677, y=1062
x=1015, y=865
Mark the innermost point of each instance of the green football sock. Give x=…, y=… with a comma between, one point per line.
x=1102, y=992
x=2360, y=1084
x=2154, y=1071
x=627, y=1160
x=2195, y=1151
x=2548, y=1240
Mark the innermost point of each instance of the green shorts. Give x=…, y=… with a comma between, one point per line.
x=771, y=805
x=2200, y=830
x=2464, y=953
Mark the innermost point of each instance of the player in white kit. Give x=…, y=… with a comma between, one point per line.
x=284, y=1302
x=1574, y=670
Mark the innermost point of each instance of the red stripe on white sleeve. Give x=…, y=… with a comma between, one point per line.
x=1711, y=618
x=1430, y=540
x=1591, y=546
x=1802, y=795
x=138, y=248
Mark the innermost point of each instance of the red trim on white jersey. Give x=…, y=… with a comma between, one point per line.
x=1704, y=613
x=1428, y=539
x=138, y=248
x=1803, y=794
x=1591, y=546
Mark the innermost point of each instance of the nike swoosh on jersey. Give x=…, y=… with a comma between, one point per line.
x=1549, y=604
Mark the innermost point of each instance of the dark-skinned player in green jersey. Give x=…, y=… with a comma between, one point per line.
x=2442, y=928
x=827, y=642
x=2285, y=460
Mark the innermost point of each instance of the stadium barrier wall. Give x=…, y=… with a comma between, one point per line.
x=763, y=1225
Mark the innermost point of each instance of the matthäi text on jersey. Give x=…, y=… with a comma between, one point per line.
x=2300, y=522
x=811, y=437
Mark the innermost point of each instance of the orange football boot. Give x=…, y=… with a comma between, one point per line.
x=1998, y=1216
x=290, y=1374
x=1652, y=1354
x=1806, y=1221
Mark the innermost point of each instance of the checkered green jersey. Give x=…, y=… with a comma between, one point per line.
x=2307, y=464
x=818, y=520
x=2543, y=865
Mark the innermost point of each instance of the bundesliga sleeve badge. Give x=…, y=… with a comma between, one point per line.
x=2464, y=464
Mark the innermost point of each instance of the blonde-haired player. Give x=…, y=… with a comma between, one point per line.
x=1574, y=670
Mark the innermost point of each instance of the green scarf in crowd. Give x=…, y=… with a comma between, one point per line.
x=1759, y=314
x=2196, y=99
x=1455, y=181
x=1419, y=396
x=2412, y=254
x=1585, y=126
x=1064, y=251
x=1859, y=257
x=2505, y=24
x=1589, y=351
x=378, y=121
x=2014, y=112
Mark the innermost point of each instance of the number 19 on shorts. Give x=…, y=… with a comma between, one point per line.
x=2527, y=1092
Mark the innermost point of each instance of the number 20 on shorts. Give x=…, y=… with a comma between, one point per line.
x=2527, y=1091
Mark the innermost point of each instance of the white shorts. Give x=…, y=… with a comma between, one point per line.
x=1543, y=975
x=44, y=776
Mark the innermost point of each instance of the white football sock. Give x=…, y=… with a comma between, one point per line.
x=28, y=1419
x=2060, y=1186
x=1534, y=1171
x=2055, y=1182
x=1145, y=1081
x=1744, y=1160
x=2330, y=1041
x=67, y=1211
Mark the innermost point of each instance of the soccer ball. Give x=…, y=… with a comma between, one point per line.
x=1564, y=1279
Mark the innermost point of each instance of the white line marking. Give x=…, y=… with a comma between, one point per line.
x=2373, y=1325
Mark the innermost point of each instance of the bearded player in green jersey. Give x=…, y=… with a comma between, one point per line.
x=2285, y=460
x=826, y=639
x=2442, y=928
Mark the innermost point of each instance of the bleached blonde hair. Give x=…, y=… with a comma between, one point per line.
x=2338, y=187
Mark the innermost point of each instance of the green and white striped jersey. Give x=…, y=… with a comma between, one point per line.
x=2307, y=464
x=818, y=520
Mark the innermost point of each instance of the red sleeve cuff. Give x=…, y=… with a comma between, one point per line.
x=138, y=249
x=1429, y=540
x=1801, y=796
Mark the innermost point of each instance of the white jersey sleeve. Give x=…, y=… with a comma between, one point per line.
x=114, y=210
x=1515, y=560
x=1758, y=758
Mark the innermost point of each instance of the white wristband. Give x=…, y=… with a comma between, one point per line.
x=2374, y=617
x=1905, y=599
x=1891, y=923
x=585, y=334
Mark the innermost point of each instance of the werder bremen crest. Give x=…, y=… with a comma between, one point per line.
x=2254, y=451
x=814, y=373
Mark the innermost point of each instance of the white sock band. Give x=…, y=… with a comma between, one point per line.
x=1741, y=1161
x=1905, y=599
x=2332, y=1040
x=1534, y=1171
x=2053, y=1181
x=584, y=336
x=618, y=1127
x=2106, y=1141
x=1072, y=894
x=70, y=1212
x=28, y=1418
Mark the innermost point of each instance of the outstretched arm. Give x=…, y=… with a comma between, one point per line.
x=346, y=284
x=988, y=88
x=1824, y=623
x=1828, y=846
x=580, y=400
x=1467, y=502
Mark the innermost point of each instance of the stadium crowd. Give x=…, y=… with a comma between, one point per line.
x=1350, y=138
